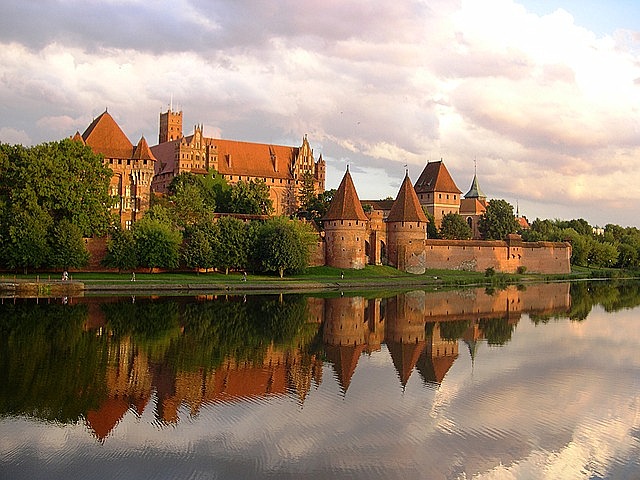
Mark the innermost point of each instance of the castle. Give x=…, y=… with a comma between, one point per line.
x=282, y=168
x=392, y=233
x=398, y=237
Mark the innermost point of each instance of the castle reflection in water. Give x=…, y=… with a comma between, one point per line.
x=194, y=363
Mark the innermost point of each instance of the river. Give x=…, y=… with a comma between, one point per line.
x=535, y=382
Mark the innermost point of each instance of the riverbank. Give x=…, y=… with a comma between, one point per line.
x=314, y=279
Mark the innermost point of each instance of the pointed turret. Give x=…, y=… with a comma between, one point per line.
x=78, y=138
x=407, y=231
x=406, y=207
x=142, y=151
x=346, y=204
x=475, y=191
x=345, y=228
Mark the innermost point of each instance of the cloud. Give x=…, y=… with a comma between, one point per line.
x=539, y=101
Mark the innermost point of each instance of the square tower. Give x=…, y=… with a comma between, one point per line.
x=170, y=126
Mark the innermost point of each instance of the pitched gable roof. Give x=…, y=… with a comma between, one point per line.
x=345, y=204
x=407, y=207
x=142, y=151
x=106, y=137
x=255, y=159
x=436, y=178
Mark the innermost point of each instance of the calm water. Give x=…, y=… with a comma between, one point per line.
x=535, y=383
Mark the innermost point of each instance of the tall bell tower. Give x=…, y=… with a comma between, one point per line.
x=170, y=126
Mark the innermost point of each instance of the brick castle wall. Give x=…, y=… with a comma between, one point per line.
x=504, y=256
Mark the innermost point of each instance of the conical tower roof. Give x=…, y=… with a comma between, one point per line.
x=106, y=137
x=475, y=191
x=346, y=204
x=406, y=207
x=142, y=151
x=78, y=138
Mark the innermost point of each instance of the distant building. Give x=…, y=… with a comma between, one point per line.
x=473, y=206
x=282, y=168
x=437, y=191
x=133, y=167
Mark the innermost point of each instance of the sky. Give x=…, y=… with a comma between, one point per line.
x=541, y=97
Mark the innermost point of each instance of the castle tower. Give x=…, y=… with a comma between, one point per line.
x=345, y=227
x=407, y=231
x=473, y=206
x=170, y=126
x=437, y=191
x=320, y=174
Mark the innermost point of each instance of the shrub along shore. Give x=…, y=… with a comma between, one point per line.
x=314, y=279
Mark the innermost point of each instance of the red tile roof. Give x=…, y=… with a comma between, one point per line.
x=142, y=151
x=436, y=178
x=472, y=206
x=345, y=204
x=407, y=207
x=255, y=159
x=105, y=136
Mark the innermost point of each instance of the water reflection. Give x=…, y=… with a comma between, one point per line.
x=92, y=361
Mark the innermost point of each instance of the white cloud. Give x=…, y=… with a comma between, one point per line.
x=548, y=108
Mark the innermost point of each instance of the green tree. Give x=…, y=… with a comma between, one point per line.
x=65, y=178
x=497, y=221
x=230, y=248
x=157, y=243
x=25, y=242
x=579, y=246
x=284, y=245
x=197, y=250
x=602, y=254
x=189, y=206
x=432, y=230
x=251, y=198
x=319, y=205
x=454, y=227
x=307, y=192
x=67, y=246
x=121, y=250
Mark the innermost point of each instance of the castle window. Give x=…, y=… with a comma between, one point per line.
x=454, y=197
x=439, y=196
x=447, y=196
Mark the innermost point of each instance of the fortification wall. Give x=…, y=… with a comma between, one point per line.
x=504, y=256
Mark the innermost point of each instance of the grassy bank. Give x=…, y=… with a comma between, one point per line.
x=315, y=278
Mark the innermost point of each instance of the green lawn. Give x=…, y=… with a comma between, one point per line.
x=370, y=275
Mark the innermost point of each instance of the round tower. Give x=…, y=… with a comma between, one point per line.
x=345, y=227
x=407, y=231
